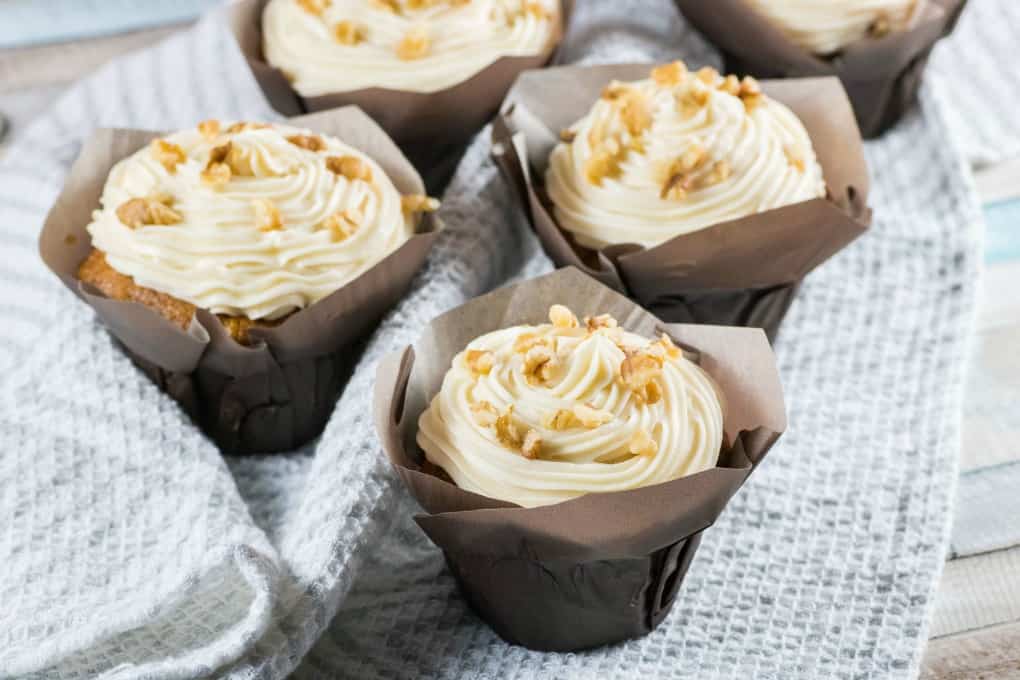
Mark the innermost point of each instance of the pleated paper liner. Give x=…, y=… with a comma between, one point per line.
x=742, y=272
x=881, y=74
x=431, y=127
x=602, y=567
x=279, y=392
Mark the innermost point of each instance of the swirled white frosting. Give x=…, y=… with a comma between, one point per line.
x=756, y=155
x=685, y=424
x=461, y=38
x=217, y=257
x=827, y=26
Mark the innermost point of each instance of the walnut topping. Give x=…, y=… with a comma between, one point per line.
x=615, y=90
x=154, y=210
x=537, y=10
x=414, y=203
x=309, y=142
x=730, y=85
x=525, y=341
x=669, y=75
x=638, y=369
x=540, y=364
x=880, y=26
x=794, y=158
x=506, y=431
x=693, y=99
x=750, y=93
x=348, y=33
x=680, y=175
x=316, y=7
x=568, y=136
x=414, y=45
x=391, y=6
x=596, y=323
x=485, y=414
x=604, y=161
x=209, y=128
x=350, y=167
x=168, y=154
x=720, y=172
x=237, y=159
x=242, y=126
x=642, y=444
x=267, y=216
x=708, y=76
x=635, y=114
x=216, y=175
x=559, y=420
x=532, y=445
x=671, y=350
x=591, y=417
x=561, y=317
x=480, y=361
x=343, y=224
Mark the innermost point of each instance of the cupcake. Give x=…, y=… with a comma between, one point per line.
x=249, y=247
x=425, y=70
x=705, y=197
x=569, y=449
x=878, y=48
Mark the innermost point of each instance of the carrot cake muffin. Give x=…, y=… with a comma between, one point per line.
x=827, y=26
x=541, y=414
x=676, y=153
x=327, y=46
x=249, y=221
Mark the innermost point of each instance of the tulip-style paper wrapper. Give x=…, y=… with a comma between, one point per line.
x=881, y=75
x=743, y=272
x=602, y=567
x=444, y=117
x=277, y=393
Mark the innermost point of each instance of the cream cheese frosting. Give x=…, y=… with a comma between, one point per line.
x=827, y=26
x=537, y=415
x=250, y=220
x=675, y=153
x=326, y=46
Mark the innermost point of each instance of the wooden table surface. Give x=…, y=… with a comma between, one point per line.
x=975, y=630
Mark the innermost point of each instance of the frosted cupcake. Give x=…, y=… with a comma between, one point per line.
x=675, y=153
x=824, y=27
x=251, y=222
x=537, y=415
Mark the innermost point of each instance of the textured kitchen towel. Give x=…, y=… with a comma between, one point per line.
x=130, y=550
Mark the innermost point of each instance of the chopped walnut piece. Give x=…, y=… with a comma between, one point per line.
x=672, y=351
x=243, y=125
x=669, y=75
x=240, y=161
x=485, y=414
x=525, y=341
x=720, y=172
x=708, y=75
x=209, y=128
x=539, y=364
x=267, y=216
x=414, y=203
x=680, y=175
x=561, y=419
x=590, y=416
x=168, y=154
x=480, y=361
x=730, y=85
x=561, y=317
x=343, y=224
x=350, y=167
x=614, y=90
x=316, y=7
x=693, y=99
x=414, y=45
x=642, y=444
x=537, y=10
x=532, y=445
x=638, y=369
x=750, y=93
x=216, y=175
x=794, y=158
x=309, y=142
x=604, y=161
x=635, y=114
x=596, y=323
x=506, y=431
x=391, y=6
x=880, y=26
x=568, y=136
x=153, y=210
x=348, y=33
x=652, y=393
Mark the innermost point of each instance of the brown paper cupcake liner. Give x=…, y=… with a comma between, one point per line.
x=743, y=271
x=881, y=75
x=419, y=121
x=602, y=567
x=277, y=393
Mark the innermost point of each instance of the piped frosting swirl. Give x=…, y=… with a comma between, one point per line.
x=676, y=153
x=827, y=26
x=326, y=46
x=537, y=415
x=250, y=220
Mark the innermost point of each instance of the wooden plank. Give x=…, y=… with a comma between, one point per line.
x=989, y=654
x=978, y=591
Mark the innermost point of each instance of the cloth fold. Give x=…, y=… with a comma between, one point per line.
x=132, y=550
